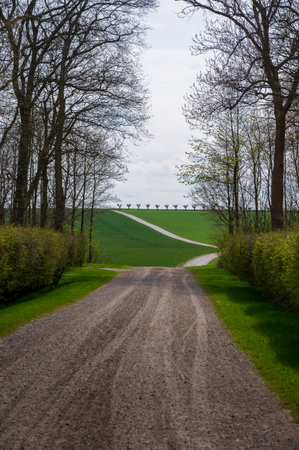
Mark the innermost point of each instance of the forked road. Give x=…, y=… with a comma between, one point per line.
x=142, y=363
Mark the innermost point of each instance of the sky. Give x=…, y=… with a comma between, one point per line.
x=170, y=69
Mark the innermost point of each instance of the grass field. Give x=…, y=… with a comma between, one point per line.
x=267, y=332
x=126, y=242
x=73, y=286
x=196, y=225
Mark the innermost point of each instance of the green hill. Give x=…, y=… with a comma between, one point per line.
x=196, y=225
x=125, y=242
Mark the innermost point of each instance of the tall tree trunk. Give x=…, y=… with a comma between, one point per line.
x=21, y=201
x=59, y=195
x=83, y=197
x=74, y=196
x=44, y=197
x=236, y=193
x=2, y=214
x=256, y=195
x=277, y=173
x=34, y=201
x=90, y=255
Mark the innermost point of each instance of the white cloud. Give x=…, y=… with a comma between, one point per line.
x=170, y=70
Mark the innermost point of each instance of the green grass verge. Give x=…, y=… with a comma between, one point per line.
x=267, y=332
x=111, y=266
x=73, y=286
x=123, y=241
x=196, y=225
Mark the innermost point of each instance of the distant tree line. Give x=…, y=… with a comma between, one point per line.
x=247, y=105
x=147, y=205
x=71, y=94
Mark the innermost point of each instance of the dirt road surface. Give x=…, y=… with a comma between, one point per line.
x=141, y=363
x=202, y=260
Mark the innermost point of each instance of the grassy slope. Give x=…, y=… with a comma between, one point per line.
x=196, y=225
x=267, y=332
x=73, y=286
x=126, y=242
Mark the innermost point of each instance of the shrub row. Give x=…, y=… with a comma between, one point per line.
x=270, y=261
x=33, y=258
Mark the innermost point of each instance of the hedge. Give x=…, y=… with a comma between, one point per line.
x=270, y=261
x=33, y=258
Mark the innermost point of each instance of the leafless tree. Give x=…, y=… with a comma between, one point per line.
x=256, y=55
x=64, y=63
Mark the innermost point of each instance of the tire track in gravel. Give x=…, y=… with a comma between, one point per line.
x=141, y=363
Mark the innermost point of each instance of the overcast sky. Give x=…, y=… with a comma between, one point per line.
x=170, y=70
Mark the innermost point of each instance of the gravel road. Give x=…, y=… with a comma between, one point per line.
x=141, y=363
x=202, y=260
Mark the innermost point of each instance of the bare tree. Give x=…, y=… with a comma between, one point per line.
x=257, y=50
x=166, y=206
x=147, y=206
x=77, y=59
x=175, y=207
x=138, y=206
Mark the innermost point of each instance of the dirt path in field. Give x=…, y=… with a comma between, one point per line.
x=141, y=363
x=202, y=260
x=162, y=230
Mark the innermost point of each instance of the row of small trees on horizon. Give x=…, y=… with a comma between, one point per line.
x=147, y=205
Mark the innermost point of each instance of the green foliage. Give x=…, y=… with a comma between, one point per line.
x=32, y=258
x=76, y=245
x=93, y=251
x=123, y=241
x=196, y=225
x=236, y=254
x=74, y=285
x=267, y=332
x=270, y=261
x=276, y=266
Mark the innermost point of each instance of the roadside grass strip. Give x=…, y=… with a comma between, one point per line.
x=73, y=286
x=267, y=332
x=196, y=225
x=123, y=241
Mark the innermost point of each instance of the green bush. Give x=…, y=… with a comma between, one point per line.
x=236, y=254
x=276, y=266
x=76, y=246
x=292, y=273
x=270, y=261
x=32, y=258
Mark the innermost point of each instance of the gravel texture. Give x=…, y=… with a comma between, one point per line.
x=141, y=363
x=201, y=260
